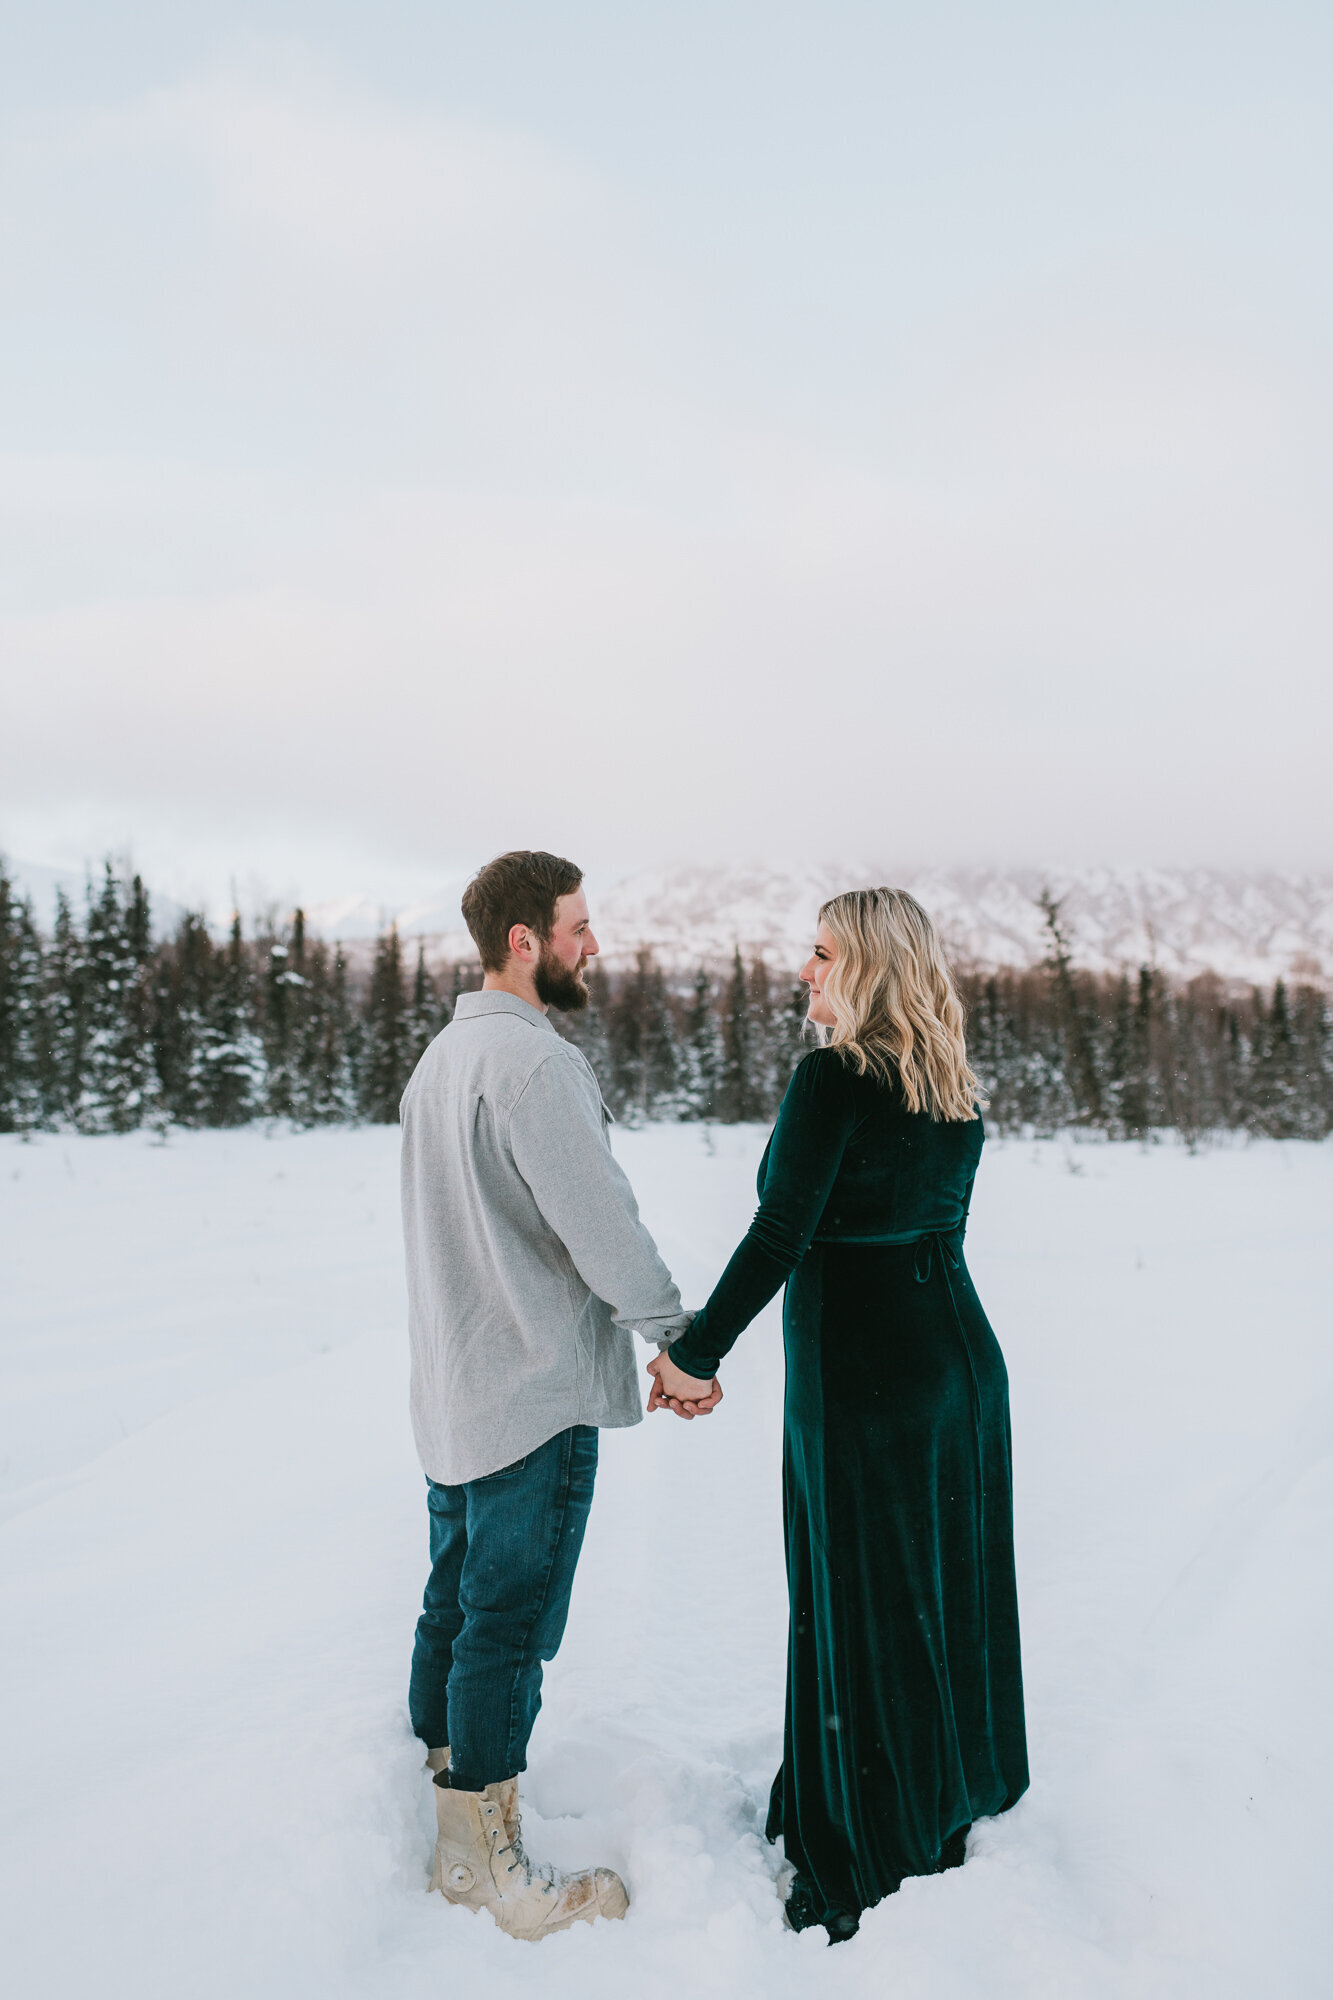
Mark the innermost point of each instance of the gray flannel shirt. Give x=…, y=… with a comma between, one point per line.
x=526, y=1258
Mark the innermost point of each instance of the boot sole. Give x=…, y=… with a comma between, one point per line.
x=611, y=1903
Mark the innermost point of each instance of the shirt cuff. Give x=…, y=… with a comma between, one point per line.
x=662, y=1332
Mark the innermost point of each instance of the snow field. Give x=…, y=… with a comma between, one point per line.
x=214, y=1542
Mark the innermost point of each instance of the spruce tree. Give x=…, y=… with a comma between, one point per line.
x=286, y=994
x=103, y=954
x=623, y=1071
x=1220, y=1029
x=643, y=1045
x=1117, y=1055
x=795, y=1036
x=702, y=1052
x=182, y=988
x=1314, y=1061
x=778, y=1037
x=386, y=1063
x=311, y=1027
x=763, y=1041
x=1043, y=1099
x=63, y=1014
x=427, y=1014
x=1230, y=1067
x=1080, y=1058
x=1200, y=1021
x=316, y=1043
x=22, y=1104
x=662, y=1094
x=1181, y=1063
x=309, y=1002
x=116, y=1084
x=1276, y=1096
x=279, y=1028
x=232, y=1067
x=990, y=1049
x=739, y=1101
x=141, y=1008
x=330, y=1065
x=1139, y=1099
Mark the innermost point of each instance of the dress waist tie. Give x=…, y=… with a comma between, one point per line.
x=936, y=1242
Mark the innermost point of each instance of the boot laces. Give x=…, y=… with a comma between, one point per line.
x=543, y=1872
x=544, y=1877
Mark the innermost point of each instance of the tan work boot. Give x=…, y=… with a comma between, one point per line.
x=438, y=1760
x=479, y=1862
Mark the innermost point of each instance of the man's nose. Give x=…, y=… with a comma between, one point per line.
x=590, y=945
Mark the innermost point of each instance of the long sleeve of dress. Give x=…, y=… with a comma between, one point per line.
x=967, y=1200
x=814, y=1124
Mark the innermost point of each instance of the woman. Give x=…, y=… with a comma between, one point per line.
x=904, y=1693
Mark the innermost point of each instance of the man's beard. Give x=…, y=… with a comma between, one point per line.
x=558, y=985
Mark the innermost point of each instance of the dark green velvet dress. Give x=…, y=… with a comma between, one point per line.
x=904, y=1690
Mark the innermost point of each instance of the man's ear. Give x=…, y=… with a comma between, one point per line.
x=521, y=941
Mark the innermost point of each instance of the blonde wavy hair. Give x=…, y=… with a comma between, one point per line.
x=892, y=997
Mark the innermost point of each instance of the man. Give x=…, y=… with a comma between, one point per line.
x=526, y=1266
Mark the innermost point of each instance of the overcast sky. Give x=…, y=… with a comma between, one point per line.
x=663, y=430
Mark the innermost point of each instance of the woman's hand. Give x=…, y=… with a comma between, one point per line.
x=686, y=1395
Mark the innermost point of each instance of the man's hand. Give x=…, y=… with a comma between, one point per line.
x=686, y=1395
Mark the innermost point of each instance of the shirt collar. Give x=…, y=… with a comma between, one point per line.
x=469, y=1005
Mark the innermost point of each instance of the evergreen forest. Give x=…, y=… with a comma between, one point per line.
x=105, y=1028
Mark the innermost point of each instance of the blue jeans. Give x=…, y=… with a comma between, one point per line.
x=503, y=1553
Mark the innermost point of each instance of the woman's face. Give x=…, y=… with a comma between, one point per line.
x=815, y=971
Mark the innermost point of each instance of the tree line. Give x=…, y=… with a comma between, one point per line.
x=105, y=1029
x=1132, y=1053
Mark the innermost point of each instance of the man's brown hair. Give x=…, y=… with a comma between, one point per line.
x=519, y=888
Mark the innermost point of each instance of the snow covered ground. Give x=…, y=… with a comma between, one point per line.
x=214, y=1543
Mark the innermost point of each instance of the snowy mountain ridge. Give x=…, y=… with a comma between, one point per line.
x=1249, y=926
x=1253, y=926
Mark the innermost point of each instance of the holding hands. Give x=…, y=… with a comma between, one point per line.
x=686, y=1395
